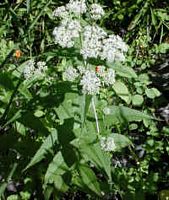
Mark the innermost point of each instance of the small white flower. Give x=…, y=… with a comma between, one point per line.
x=41, y=69
x=33, y=69
x=92, y=41
x=90, y=83
x=60, y=12
x=119, y=56
x=96, y=11
x=62, y=38
x=109, y=77
x=120, y=44
x=70, y=74
x=67, y=32
x=113, y=49
x=29, y=69
x=107, y=144
x=74, y=28
x=81, y=69
x=77, y=6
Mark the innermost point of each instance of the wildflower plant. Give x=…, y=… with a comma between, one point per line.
x=78, y=30
x=76, y=100
x=89, y=76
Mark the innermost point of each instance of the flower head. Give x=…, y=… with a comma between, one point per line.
x=66, y=33
x=40, y=69
x=60, y=12
x=96, y=11
x=92, y=41
x=29, y=69
x=107, y=144
x=109, y=77
x=90, y=83
x=70, y=74
x=77, y=6
x=34, y=69
x=81, y=69
x=113, y=49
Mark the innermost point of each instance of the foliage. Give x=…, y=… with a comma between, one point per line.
x=50, y=141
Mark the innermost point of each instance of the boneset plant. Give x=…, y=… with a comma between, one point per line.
x=82, y=134
x=78, y=30
x=80, y=130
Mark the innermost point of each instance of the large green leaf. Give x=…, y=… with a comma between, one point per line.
x=122, y=91
x=122, y=70
x=88, y=179
x=68, y=107
x=90, y=150
x=85, y=103
x=120, y=141
x=25, y=92
x=44, y=149
x=124, y=114
x=55, y=171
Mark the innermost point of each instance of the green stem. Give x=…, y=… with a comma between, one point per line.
x=96, y=118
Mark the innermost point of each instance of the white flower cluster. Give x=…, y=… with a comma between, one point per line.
x=66, y=33
x=90, y=80
x=77, y=7
x=34, y=69
x=107, y=144
x=40, y=69
x=96, y=11
x=107, y=76
x=90, y=83
x=95, y=42
x=29, y=69
x=70, y=74
x=61, y=12
x=113, y=49
x=92, y=41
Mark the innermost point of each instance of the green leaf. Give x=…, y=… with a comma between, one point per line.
x=135, y=21
x=25, y=92
x=122, y=70
x=153, y=18
x=55, y=171
x=89, y=179
x=48, y=191
x=67, y=108
x=85, y=103
x=122, y=91
x=124, y=114
x=16, y=116
x=28, y=5
x=90, y=149
x=152, y=93
x=120, y=141
x=44, y=149
x=137, y=100
x=39, y=113
x=6, y=81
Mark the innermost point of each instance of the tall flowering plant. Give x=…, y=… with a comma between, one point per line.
x=79, y=31
x=82, y=121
